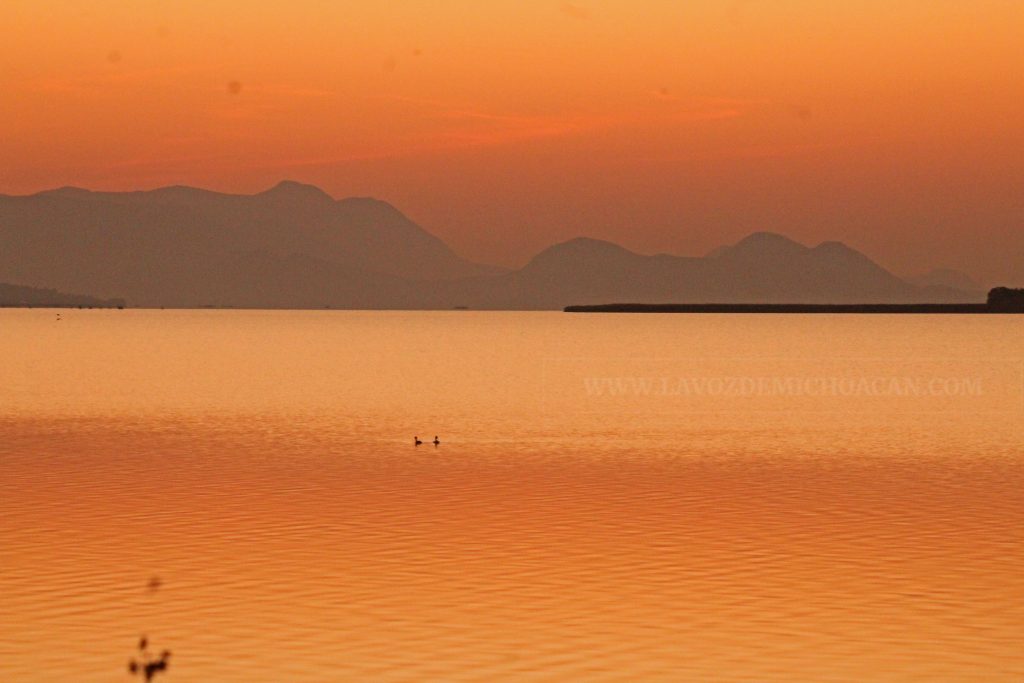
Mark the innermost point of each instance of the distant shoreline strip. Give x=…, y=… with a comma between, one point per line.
x=794, y=308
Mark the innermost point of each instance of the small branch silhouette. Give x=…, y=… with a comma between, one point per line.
x=147, y=665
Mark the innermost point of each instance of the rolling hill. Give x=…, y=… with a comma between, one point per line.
x=294, y=246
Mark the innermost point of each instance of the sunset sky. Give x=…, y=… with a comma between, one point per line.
x=502, y=126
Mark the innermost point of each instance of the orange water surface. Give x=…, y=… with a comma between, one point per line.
x=615, y=498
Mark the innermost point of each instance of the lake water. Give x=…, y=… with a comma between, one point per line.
x=616, y=497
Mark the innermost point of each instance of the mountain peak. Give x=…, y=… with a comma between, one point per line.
x=291, y=189
x=767, y=239
x=760, y=244
x=587, y=246
x=591, y=243
x=67, y=191
x=832, y=246
x=578, y=251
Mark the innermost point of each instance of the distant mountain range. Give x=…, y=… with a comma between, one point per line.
x=293, y=246
x=16, y=295
x=946, y=277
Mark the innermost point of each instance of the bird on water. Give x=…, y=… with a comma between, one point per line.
x=437, y=441
x=416, y=441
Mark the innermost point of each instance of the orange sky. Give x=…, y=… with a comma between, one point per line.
x=505, y=125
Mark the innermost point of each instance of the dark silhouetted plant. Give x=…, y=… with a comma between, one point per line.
x=1005, y=298
x=146, y=664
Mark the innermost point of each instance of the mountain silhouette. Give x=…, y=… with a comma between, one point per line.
x=294, y=246
x=948, y=278
x=18, y=295
x=761, y=268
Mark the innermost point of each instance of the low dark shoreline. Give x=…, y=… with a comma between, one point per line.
x=793, y=308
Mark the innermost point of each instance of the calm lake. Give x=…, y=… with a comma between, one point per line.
x=615, y=497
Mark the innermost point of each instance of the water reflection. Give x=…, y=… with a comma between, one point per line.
x=286, y=521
